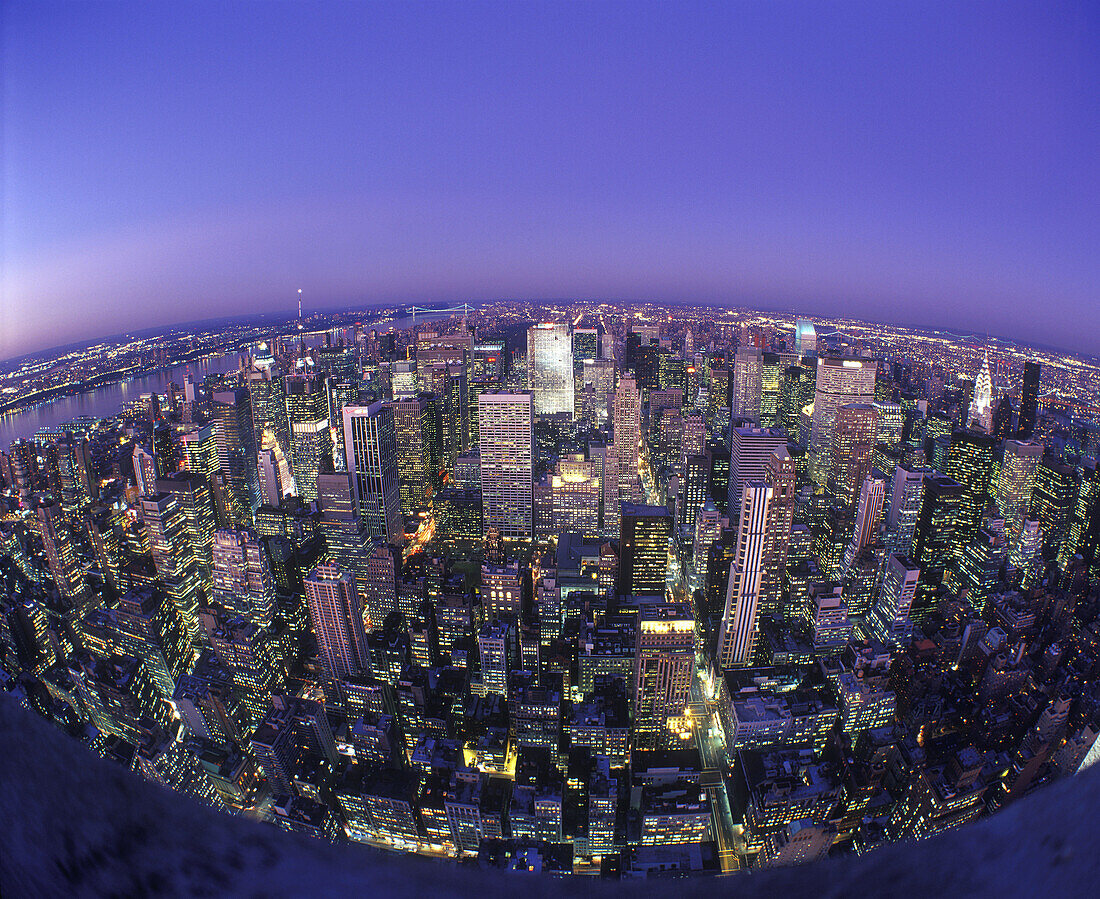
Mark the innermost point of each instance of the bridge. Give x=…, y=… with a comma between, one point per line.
x=464, y=309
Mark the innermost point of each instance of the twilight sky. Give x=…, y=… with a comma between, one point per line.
x=936, y=165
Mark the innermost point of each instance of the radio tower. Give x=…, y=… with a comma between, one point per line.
x=299, y=309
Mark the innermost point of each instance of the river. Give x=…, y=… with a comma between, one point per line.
x=105, y=401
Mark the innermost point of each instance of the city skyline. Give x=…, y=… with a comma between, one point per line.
x=806, y=160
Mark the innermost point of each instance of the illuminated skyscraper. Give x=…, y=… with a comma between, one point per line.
x=981, y=405
x=663, y=669
x=970, y=462
x=748, y=370
x=839, y=383
x=853, y=443
x=597, y=386
x=506, y=423
x=173, y=556
x=1016, y=478
x=643, y=549
x=805, y=338
x=336, y=618
x=243, y=582
x=934, y=536
x=576, y=495
x=1052, y=502
x=310, y=431
x=192, y=493
x=371, y=447
x=737, y=635
x=550, y=368
x=236, y=442
x=416, y=429
x=57, y=540
x=890, y=615
x=905, y=500
x=627, y=424
x=267, y=391
x=750, y=450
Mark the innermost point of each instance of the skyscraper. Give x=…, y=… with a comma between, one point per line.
x=173, y=556
x=416, y=426
x=750, y=450
x=853, y=443
x=748, y=370
x=236, y=442
x=627, y=424
x=643, y=549
x=192, y=492
x=243, y=582
x=1029, y=399
x=57, y=540
x=970, y=462
x=890, y=615
x=981, y=405
x=737, y=635
x=336, y=618
x=839, y=382
x=576, y=496
x=310, y=430
x=1016, y=478
x=805, y=338
x=663, y=669
x=371, y=447
x=550, y=368
x=506, y=423
x=781, y=475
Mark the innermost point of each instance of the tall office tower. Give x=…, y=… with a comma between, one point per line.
x=1002, y=419
x=1016, y=478
x=404, y=381
x=371, y=447
x=627, y=424
x=890, y=615
x=934, y=536
x=586, y=347
x=1026, y=553
x=694, y=441
x=145, y=470
x=748, y=370
x=663, y=668
x=192, y=493
x=576, y=496
x=492, y=644
x=693, y=493
x=448, y=383
x=173, y=556
x=708, y=531
x=611, y=509
x=868, y=513
x=506, y=422
x=1029, y=399
x=839, y=383
x=781, y=475
x=383, y=568
x=57, y=541
x=600, y=373
x=905, y=500
x=970, y=462
x=416, y=429
x=643, y=549
x=550, y=368
x=199, y=448
x=336, y=618
x=310, y=431
x=267, y=391
x=236, y=441
x=1052, y=502
x=24, y=467
x=1083, y=538
x=771, y=381
x=348, y=543
x=243, y=582
x=980, y=415
x=75, y=468
x=719, y=399
x=805, y=338
x=737, y=635
x=750, y=450
x=271, y=486
x=853, y=443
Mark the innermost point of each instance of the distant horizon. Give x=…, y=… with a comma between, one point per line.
x=335, y=309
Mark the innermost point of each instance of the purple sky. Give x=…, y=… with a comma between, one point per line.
x=937, y=165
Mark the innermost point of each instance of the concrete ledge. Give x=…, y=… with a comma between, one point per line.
x=72, y=824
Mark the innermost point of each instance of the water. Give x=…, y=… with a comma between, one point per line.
x=103, y=402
